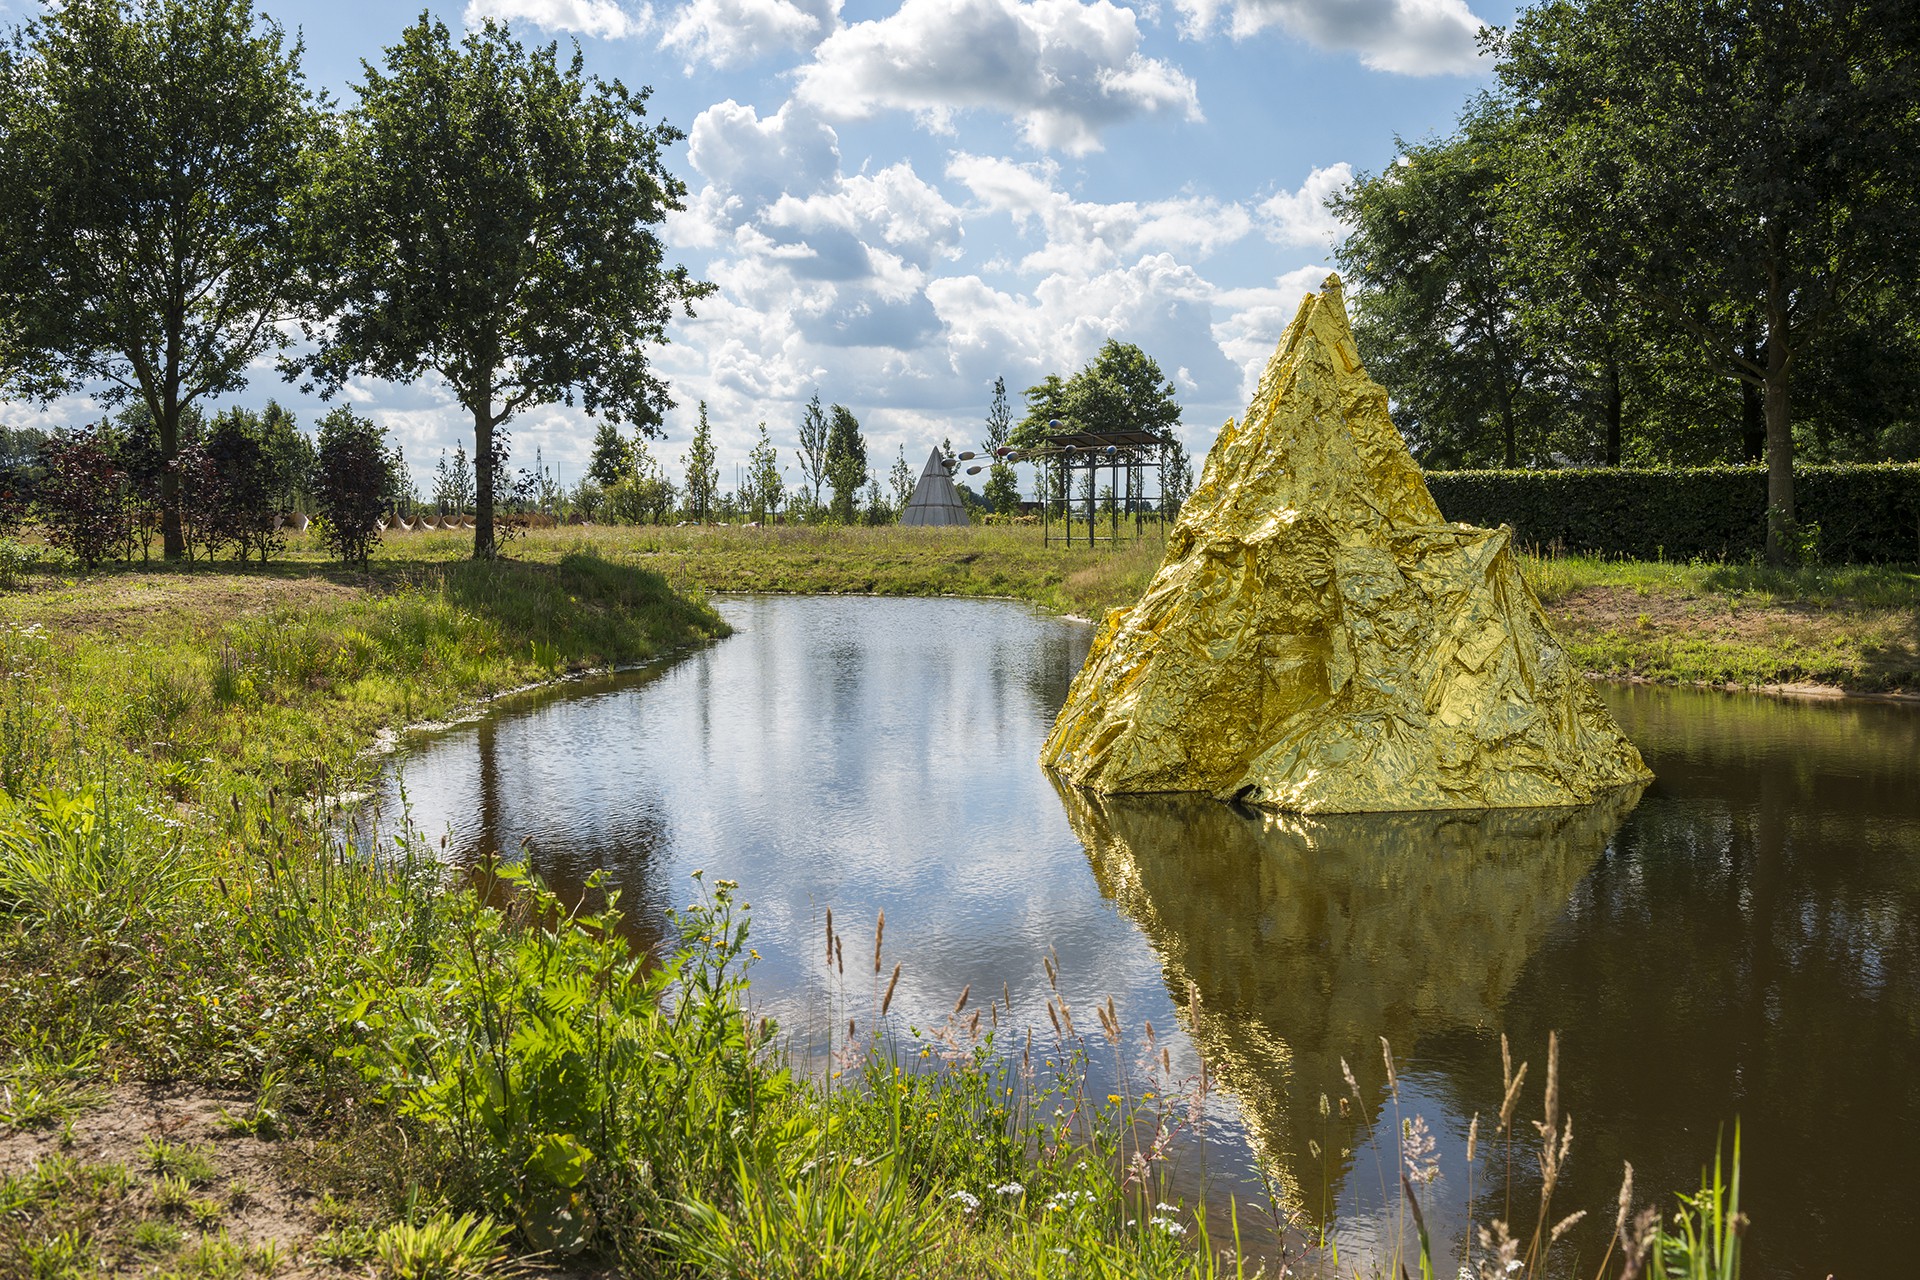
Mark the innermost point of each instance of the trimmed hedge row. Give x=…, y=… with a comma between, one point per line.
x=1865, y=514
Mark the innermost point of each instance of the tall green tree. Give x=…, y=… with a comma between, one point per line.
x=846, y=462
x=765, y=488
x=1002, y=490
x=1121, y=389
x=1747, y=167
x=813, y=447
x=1439, y=295
x=493, y=216
x=612, y=456
x=703, y=470
x=901, y=479
x=151, y=154
x=1046, y=400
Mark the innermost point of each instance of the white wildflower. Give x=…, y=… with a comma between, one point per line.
x=966, y=1198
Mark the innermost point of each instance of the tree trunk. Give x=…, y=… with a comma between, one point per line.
x=483, y=544
x=1506, y=425
x=1753, y=411
x=1779, y=446
x=173, y=538
x=1616, y=402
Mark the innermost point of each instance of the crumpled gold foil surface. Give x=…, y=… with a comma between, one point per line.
x=1319, y=639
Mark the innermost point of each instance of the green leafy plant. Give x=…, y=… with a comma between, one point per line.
x=442, y=1247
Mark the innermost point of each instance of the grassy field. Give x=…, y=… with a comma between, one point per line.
x=229, y=1047
x=1854, y=628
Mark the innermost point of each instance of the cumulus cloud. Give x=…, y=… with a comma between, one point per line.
x=603, y=18
x=727, y=33
x=1301, y=218
x=1063, y=69
x=749, y=162
x=1410, y=37
x=1086, y=236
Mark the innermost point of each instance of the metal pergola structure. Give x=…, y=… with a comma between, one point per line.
x=1065, y=453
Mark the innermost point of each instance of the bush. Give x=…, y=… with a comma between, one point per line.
x=85, y=500
x=357, y=481
x=1860, y=514
x=243, y=479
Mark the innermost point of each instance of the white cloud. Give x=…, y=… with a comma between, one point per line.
x=726, y=33
x=603, y=18
x=1084, y=236
x=1063, y=69
x=1301, y=218
x=750, y=162
x=1411, y=37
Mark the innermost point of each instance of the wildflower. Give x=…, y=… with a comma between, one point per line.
x=966, y=1198
x=1164, y=1207
x=1010, y=1189
x=1168, y=1225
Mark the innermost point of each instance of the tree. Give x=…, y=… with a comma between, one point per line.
x=813, y=447
x=290, y=457
x=84, y=499
x=1121, y=389
x=703, y=471
x=878, y=511
x=492, y=214
x=356, y=482
x=765, y=487
x=1438, y=295
x=846, y=462
x=1747, y=169
x=1176, y=478
x=1046, y=400
x=241, y=467
x=453, y=482
x=901, y=480
x=1002, y=490
x=612, y=456
x=151, y=152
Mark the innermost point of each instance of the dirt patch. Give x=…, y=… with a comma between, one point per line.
x=227, y=1187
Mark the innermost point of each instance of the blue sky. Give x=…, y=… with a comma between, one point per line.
x=902, y=199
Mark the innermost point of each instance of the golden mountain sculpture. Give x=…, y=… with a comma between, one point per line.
x=1320, y=639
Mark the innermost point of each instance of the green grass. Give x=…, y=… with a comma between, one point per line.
x=1850, y=627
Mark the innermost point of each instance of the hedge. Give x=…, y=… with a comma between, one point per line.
x=1865, y=514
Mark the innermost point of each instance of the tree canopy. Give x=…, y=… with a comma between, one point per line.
x=1666, y=221
x=490, y=218
x=151, y=156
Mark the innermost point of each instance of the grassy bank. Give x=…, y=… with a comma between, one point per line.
x=1855, y=628
x=228, y=1047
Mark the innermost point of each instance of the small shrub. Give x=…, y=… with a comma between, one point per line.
x=357, y=482
x=84, y=500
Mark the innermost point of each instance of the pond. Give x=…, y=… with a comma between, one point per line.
x=1740, y=941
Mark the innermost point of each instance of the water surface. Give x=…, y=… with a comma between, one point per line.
x=1741, y=940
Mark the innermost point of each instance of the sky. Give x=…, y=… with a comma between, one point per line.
x=901, y=200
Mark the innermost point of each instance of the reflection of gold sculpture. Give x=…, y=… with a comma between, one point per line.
x=1311, y=937
x=1320, y=639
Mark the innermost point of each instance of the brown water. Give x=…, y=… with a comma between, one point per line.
x=1741, y=941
